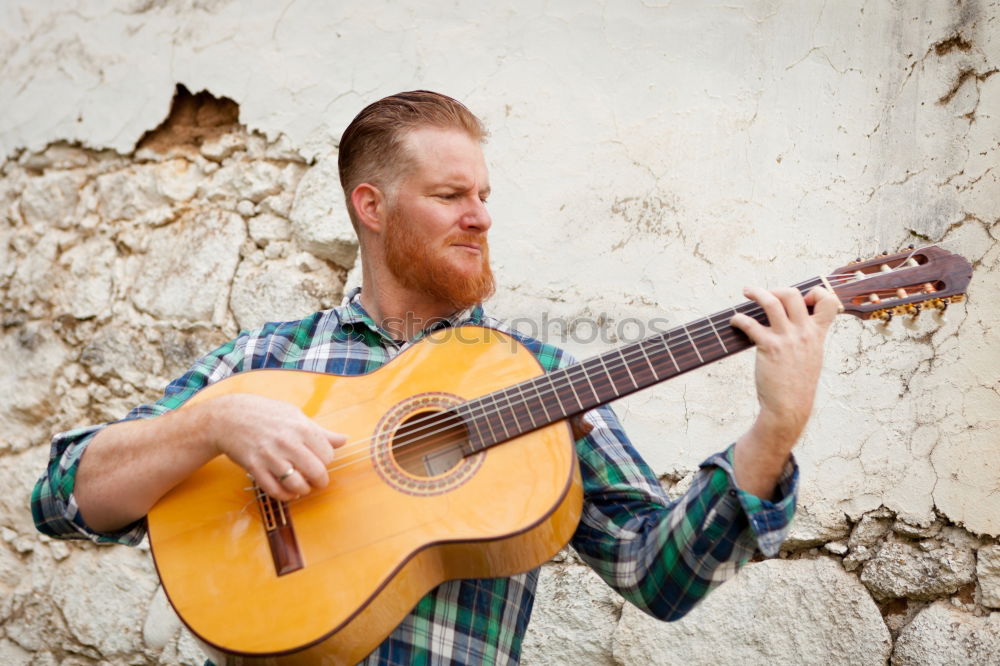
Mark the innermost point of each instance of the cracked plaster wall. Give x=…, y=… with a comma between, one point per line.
x=679, y=150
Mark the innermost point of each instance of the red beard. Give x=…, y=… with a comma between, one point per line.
x=418, y=266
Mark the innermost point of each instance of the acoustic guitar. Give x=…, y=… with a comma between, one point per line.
x=460, y=463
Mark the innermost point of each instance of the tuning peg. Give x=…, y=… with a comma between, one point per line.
x=883, y=317
x=939, y=312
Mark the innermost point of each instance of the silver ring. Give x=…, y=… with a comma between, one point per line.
x=291, y=470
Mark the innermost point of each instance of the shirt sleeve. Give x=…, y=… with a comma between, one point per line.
x=664, y=556
x=53, y=504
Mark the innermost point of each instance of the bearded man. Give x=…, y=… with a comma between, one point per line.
x=416, y=186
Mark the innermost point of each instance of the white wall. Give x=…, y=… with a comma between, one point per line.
x=648, y=160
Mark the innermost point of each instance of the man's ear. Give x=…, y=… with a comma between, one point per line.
x=369, y=205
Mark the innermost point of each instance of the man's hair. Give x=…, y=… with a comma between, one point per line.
x=371, y=148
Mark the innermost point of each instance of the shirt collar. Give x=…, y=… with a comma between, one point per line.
x=354, y=313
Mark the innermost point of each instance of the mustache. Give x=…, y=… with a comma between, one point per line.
x=469, y=239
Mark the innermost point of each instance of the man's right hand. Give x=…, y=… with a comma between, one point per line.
x=130, y=465
x=285, y=451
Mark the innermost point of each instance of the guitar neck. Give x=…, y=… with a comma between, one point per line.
x=522, y=408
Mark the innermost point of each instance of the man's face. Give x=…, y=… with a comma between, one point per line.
x=436, y=227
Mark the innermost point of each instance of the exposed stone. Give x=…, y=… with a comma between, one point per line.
x=188, y=267
x=812, y=527
x=943, y=636
x=87, y=289
x=794, y=611
x=57, y=156
x=280, y=291
x=252, y=181
x=265, y=228
x=59, y=550
x=32, y=287
x=51, y=199
x=912, y=531
x=320, y=222
x=178, y=179
x=121, y=353
x=277, y=204
x=37, y=621
x=988, y=573
x=161, y=623
x=184, y=650
x=13, y=655
x=836, y=547
x=574, y=618
x=32, y=358
x=918, y=571
x=220, y=147
x=120, y=582
x=131, y=194
x=245, y=207
x=869, y=530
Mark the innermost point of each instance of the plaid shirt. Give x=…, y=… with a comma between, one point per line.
x=661, y=555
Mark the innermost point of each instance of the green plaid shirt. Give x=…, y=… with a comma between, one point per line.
x=661, y=555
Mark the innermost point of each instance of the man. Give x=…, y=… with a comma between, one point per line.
x=416, y=186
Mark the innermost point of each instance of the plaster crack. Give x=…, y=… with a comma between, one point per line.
x=964, y=75
x=281, y=17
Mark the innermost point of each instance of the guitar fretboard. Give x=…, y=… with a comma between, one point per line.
x=522, y=408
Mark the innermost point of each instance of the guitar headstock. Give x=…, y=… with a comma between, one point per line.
x=901, y=284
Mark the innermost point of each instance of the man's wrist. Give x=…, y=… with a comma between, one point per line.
x=760, y=456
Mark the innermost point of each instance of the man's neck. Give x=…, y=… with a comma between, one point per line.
x=400, y=312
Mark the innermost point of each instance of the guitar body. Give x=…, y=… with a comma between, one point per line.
x=384, y=532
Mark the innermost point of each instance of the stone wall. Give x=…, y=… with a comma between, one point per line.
x=678, y=152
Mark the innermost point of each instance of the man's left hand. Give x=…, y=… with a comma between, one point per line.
x=789, y=360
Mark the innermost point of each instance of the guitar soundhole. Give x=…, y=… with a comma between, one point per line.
x=429, y=443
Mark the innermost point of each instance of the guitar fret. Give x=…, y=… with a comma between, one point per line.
x=614, y=386
x=642, y=348
x=470, y=419
x=693, y=344
x=531, y=412
x=586, y=375
x=666, y=344
x=555, y=394
x=718, y=337
x=628, y=369
x=489, y=424
x=500, y=417
x=572, y=387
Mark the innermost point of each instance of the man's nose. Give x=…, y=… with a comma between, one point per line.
x=477, y=217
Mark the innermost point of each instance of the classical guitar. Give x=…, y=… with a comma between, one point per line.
x=435, y=481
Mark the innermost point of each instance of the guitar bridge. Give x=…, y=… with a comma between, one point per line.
x=280, y=533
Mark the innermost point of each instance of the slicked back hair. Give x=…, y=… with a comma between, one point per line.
x=372, y=150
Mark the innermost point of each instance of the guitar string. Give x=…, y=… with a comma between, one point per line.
x=622, y=361
x=432, y=419
x=707, y=330
x=579, y=369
